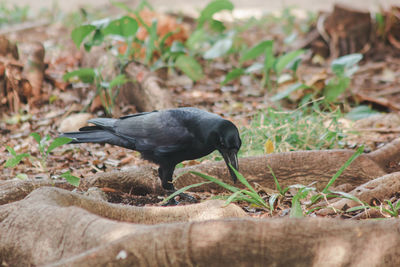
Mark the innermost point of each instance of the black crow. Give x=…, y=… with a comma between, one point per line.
x=167, y=137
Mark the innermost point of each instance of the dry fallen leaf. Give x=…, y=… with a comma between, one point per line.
x=269, y=147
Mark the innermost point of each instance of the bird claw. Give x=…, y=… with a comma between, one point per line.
x=188, y=198
x=183, y=196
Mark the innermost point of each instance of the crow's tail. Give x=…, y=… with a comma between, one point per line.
x=90, y=136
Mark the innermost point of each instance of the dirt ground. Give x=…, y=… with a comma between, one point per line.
x=242, y=8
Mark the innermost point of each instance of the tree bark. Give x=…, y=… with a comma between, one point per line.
x=59, y=228
x=299, y=167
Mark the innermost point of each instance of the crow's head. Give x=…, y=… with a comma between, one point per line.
x=227, y=142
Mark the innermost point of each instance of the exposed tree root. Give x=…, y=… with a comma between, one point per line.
x=60, y=228
x=137, y=181
x=13, y=190
x=299, y=167
x=378, y=189
x=51, y=224
x=143, y=90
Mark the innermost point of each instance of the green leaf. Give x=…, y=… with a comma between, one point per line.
x=272, y=200
x=256, y=66
x=117, y=81
x=86, y=75
x=288, y=91
x=190, y=67
x=37, y=137
x=357, y=153
x=361, y=112
x=22, y=176
x=335, y=88
x=183, y=189
x=11, y=151
x=296, y=211
x=283, y=61
x=212, y=8
x=80, y=33
x=97, y=39
x=345, y=65
x=125, y=27
x=269, y=60
x=196, y=39
x=59, y=141
x=14, y=161
x=256, y=51
x=177, y=47
x=233, y=74
x=73, y=180
x=220, y=48
x=217, y=26
x=164, y=39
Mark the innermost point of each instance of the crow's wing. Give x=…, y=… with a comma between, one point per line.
x=159, y=132
x=136, y=114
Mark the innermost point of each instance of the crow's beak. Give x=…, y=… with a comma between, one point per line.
x=230, y=157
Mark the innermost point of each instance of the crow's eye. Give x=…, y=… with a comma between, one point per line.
x=222, y=145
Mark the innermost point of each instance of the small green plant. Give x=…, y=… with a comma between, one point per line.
x=45, y=147
x=393, y=209
x=122, y=32
x=15, y=158
x=251, y=196
x=343, y=68
x=14, y=14
x=107, y=91
x=120, y=37
x=270, y=65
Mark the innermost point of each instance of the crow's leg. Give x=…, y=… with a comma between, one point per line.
x=166, y=174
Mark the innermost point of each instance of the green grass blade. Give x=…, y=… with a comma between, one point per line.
x=217, y=181
x=232, y=197
x=272, y=200
x=183, y=189
x=278, y=187
x=11, y=151
x=358, y=152
x=397, y=206
x=36, y=136
x=361, y=207
x=296, y=211
x=256, y=198
x=348, y=196
x=243, y=180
